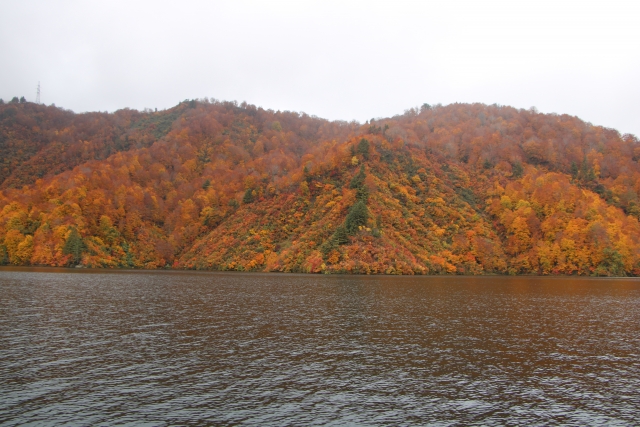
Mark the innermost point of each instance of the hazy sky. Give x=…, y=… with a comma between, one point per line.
x=336, y=59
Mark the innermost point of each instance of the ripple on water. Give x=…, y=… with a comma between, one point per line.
x=164, y=348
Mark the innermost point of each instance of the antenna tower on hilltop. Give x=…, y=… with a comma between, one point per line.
x=38, y=94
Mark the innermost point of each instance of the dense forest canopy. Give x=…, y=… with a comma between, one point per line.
x=457, y=189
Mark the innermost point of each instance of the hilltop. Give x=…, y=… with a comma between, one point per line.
x=457, y=189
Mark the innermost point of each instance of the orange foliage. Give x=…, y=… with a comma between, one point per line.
x=461, y=189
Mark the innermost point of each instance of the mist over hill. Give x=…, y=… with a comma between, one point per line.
x=456, y=189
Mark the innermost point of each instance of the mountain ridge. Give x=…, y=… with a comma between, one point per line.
x=457, y=189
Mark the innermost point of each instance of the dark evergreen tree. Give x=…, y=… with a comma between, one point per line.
x=74, y=246
x=362, y=193
x=307, y=174
x=4, y=257
x=363, y=148
x=341, y=237
x=358, y=179
x=248, y=196
x=356, y=217
x=517, y=170
x=574, y=169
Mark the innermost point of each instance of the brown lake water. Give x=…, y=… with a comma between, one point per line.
x=190, y=348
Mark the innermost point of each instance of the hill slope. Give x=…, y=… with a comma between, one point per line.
x=461, y=189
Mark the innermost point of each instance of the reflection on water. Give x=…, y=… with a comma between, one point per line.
x=161, y=348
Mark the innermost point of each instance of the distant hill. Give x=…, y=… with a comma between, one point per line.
x=38, y=141
x=457, y=189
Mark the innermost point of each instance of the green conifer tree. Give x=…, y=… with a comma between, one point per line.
x=341, y=237
x=248, y=196
x=517, y=170
x=363, y=148
x=74, y=246
x=358, y=179
x=356, y=217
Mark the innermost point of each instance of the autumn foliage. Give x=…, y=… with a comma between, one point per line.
x=459, y=189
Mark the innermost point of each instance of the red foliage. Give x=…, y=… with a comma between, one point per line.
x=470, y=189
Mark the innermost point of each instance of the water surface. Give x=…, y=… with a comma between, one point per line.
x=167, y=348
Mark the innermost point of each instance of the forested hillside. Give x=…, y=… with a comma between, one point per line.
x=36, y=140
x=457, y=189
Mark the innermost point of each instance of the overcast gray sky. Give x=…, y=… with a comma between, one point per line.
x=336, y=59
